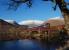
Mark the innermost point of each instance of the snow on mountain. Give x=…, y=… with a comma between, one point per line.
x=12, y=22
x=55, y=21
x=56, y=18
x=32, y=23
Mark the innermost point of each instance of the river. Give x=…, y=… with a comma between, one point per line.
x=23, y=45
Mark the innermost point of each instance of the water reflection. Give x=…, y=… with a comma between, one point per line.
x=22, y=45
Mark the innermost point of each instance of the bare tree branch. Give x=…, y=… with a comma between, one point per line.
x=14, y=4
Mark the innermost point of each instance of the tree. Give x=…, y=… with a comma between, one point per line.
x=64, y=10
x=14, y=4
x=60, y=3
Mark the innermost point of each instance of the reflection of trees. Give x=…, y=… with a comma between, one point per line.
x=43, y=35
x=34, y=34
x=57, y=38
x=67, y=48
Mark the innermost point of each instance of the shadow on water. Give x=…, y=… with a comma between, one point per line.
x=22, y=45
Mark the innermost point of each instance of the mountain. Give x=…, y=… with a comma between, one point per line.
x=55, y=21
x=35, y=23
x=32, y=23
x=12, y=22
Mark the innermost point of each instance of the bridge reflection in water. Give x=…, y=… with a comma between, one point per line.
x=23, y=45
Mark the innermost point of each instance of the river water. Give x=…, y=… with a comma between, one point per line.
x=23, y=45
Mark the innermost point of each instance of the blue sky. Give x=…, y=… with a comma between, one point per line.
x=39, y=11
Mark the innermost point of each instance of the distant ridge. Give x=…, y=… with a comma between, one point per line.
x=36, y=23
x=12, y=22
x=32, y=23
x=55, y=21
